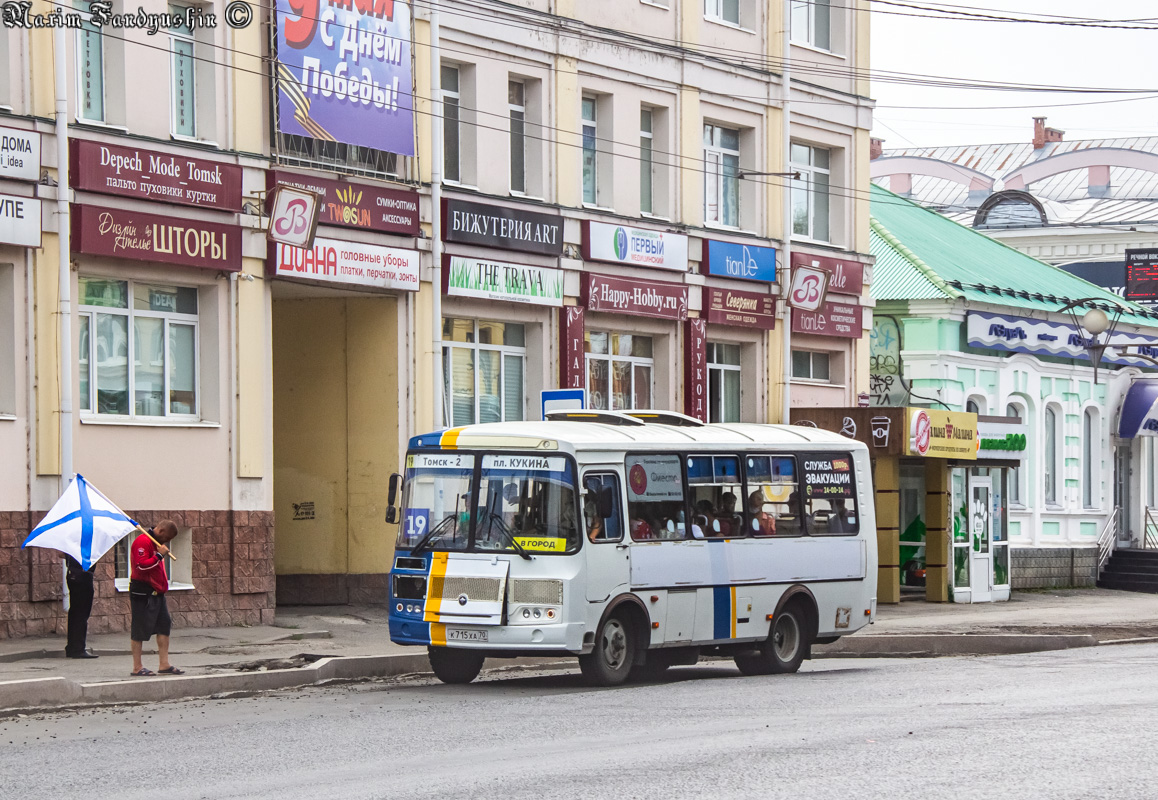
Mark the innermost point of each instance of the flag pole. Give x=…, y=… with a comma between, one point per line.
x=154, y=541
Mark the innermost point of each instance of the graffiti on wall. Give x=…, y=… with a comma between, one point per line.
x=885, y=387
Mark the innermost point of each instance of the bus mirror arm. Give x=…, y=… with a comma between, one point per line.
x=392, y=499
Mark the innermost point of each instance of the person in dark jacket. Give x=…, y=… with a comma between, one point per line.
x=80, y=595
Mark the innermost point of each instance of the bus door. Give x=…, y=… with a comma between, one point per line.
x=608, y=557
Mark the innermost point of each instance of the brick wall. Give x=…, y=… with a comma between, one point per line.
x=232, y=571
x=333, y=590
x=1056, y=567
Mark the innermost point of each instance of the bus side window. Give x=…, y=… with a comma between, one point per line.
x=601, y=494
x=717, y=497
x=772, y=495
x=830, y=487
x=655, y=498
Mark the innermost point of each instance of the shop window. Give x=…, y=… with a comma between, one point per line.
x=484, y=366
x=772, y=496
x=184, y=84
x=810, y=197
x=1016, y=474
x=619, y=370
x=811, y=365
x=179, y=569
x=829, y=494
x=722, y=175
x=723, y=382
x=90, y=69
x=138, y=349
x=655, y=498
x=1050, y=467
x=811, y=23
x=723, y=11
x=717, y=497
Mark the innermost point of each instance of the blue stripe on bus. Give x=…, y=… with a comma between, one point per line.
x=721, y=612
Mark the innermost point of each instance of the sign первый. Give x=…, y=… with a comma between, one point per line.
x=623, y=244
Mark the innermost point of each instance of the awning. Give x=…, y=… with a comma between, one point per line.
x=1139, y=410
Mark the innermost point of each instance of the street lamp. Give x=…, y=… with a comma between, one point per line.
x=1095, y=322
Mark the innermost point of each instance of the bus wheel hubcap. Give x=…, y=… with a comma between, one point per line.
x=614, y=644
x=786, y=638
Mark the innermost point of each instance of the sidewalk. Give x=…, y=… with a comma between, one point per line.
x=306, y=645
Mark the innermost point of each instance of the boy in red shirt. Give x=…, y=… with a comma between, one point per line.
x=148, y=584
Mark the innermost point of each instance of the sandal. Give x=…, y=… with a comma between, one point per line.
x=170, y=671
x=143, y=672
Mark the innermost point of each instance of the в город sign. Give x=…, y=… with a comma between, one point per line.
x=343, y=74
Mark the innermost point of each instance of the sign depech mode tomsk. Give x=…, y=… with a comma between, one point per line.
x=117, y=233
x=151, y=175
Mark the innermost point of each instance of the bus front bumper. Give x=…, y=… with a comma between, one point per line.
x=523, y=638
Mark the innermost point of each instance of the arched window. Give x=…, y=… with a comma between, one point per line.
x=1015, y=474
x=1049, y=455
x=1089, y=472
x=972, y=407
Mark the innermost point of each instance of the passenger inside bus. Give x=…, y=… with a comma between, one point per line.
x=728, y=523
x=763, y=523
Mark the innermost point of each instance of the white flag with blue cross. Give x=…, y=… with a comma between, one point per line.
x=83, y=523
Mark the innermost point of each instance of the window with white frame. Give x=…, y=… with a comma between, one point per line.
x=620, y=367
x=1089, y=472
x=810, y=198
x=90, y=69
x=451, y=130
x=590, y=151
x=812, y=23
x=484, y=368
x=7, y=339
x=723, y=382
x=811, y=365
x=646, y=166
x=1050, y=468
x=723, y=11
x=138, y=349
x=722, y=175
x=517, y=106
x=184, y=81
x=1016, y=496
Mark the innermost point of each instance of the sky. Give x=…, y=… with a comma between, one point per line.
x=1014, y=53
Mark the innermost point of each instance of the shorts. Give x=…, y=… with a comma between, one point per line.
x=150, y=616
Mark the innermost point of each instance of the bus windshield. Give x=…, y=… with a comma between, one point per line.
x=522, y=503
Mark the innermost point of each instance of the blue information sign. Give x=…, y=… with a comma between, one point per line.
x=745, y=261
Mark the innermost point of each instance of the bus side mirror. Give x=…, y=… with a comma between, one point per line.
x=392, y=499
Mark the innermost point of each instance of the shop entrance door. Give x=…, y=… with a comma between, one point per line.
x=980, y=535
x=1122, y=475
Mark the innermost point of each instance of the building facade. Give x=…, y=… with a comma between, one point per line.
x=612, y=219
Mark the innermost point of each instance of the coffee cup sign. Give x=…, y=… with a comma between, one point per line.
x=808, y=289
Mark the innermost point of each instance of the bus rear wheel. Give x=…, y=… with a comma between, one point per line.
x=784, y=649
x=455, y=666
x=609, y=662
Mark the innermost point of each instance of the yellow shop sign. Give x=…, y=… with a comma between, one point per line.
x=941, y=434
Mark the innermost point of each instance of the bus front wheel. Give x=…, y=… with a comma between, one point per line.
x=783, y=651
x=455, y=666
x=609, y=662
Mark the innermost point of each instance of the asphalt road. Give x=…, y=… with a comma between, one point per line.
x=1070, y=724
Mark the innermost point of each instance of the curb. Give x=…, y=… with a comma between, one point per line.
x=939, y=645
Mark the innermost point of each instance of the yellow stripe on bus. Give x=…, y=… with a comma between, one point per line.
x=450, y=438
x=734, y=612
x=434, y=587
x=438, y=634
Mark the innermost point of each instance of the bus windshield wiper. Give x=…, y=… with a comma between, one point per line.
x=437, y=529
x=505, y=530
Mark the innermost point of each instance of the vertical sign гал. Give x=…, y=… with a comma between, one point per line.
x=572, y=363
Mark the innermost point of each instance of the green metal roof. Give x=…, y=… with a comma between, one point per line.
x=923, y=255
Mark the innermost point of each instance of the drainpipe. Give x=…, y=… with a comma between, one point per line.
x=436, y=131
x=786, y=258
x=60, y=67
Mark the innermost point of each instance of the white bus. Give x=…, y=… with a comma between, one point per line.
x=635, y=541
